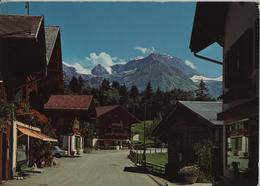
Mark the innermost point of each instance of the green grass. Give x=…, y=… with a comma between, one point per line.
x=157, y=158
x=138, y=128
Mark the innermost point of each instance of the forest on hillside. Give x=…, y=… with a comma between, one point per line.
x=147, y=104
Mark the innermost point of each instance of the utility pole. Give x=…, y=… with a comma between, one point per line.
x=27, y=6
x=144, y=152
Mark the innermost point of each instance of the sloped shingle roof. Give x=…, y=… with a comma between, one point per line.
x=100, y=111
x=19, y=26
x=206, y=109
x=203, y=109
x=104, y=109
x=69, y=102
x=51, y=33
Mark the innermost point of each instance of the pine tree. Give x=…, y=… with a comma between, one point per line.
x=134, y=91
x=134, y=94
x=81, y=84
x=148, y=91
x=147, y=99
x=105, y=85
x=202, y=92
x=74, y=84
x=115, y=85
x=123, y=93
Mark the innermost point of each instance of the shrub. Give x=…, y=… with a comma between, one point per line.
x=204, y=157
x=189, y=171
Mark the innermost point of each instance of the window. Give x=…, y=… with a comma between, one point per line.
x=237, y=144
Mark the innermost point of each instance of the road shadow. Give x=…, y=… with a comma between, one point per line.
x=138, y=169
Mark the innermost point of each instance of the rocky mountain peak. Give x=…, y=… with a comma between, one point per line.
x=99, y=70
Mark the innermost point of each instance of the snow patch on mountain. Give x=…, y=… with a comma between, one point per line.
x=109, y=69
x=197, y=78
x=78, y=67
x=129, y=71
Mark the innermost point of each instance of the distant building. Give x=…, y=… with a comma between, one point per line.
x=188, y=123
x=113, y=126
x=67, y=114
x=235, y=26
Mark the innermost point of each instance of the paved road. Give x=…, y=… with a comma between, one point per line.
x=101, y=168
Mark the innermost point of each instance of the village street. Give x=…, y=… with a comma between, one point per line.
x=100, y=168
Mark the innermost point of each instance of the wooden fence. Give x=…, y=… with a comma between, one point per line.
x=137, y=158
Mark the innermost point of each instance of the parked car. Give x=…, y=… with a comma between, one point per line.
x=58, y=152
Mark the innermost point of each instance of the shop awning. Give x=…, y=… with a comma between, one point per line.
x=35, y=134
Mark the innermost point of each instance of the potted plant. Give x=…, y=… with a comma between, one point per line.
x=189, y=173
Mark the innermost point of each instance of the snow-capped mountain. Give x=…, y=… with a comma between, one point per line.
x=163, y=71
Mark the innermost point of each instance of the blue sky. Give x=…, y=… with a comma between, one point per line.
x=110, y=33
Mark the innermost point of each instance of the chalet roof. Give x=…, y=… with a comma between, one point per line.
x=208, y=25
x=20, y=26
x=68, y=102
x=104, y=109
x=51, y=33
x=205, y=109
x=100, y=111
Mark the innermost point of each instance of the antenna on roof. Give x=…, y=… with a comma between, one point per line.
x=27, y=6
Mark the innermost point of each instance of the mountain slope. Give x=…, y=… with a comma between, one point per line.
x=99, y=70
x=163, y=71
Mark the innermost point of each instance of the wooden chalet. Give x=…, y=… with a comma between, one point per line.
x=23, y=53
x=27, y=48
x=113, y=127
x=22, y=63
x=235, y=27
x=68, y=114
x=189, y=123
x=53, y=83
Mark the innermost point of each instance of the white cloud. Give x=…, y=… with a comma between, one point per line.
x=145, y=50
x=190, y=64
x=104, y=59
x=79, y=68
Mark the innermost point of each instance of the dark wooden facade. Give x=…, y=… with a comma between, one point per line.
x=22, y=64
x=5, y=154
x=68, y=114
x=236, y=29
x=23, y=52
x=185, y=127
x=53, y=83
x=113, y=125
x=28, y=59
x=2, y=91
